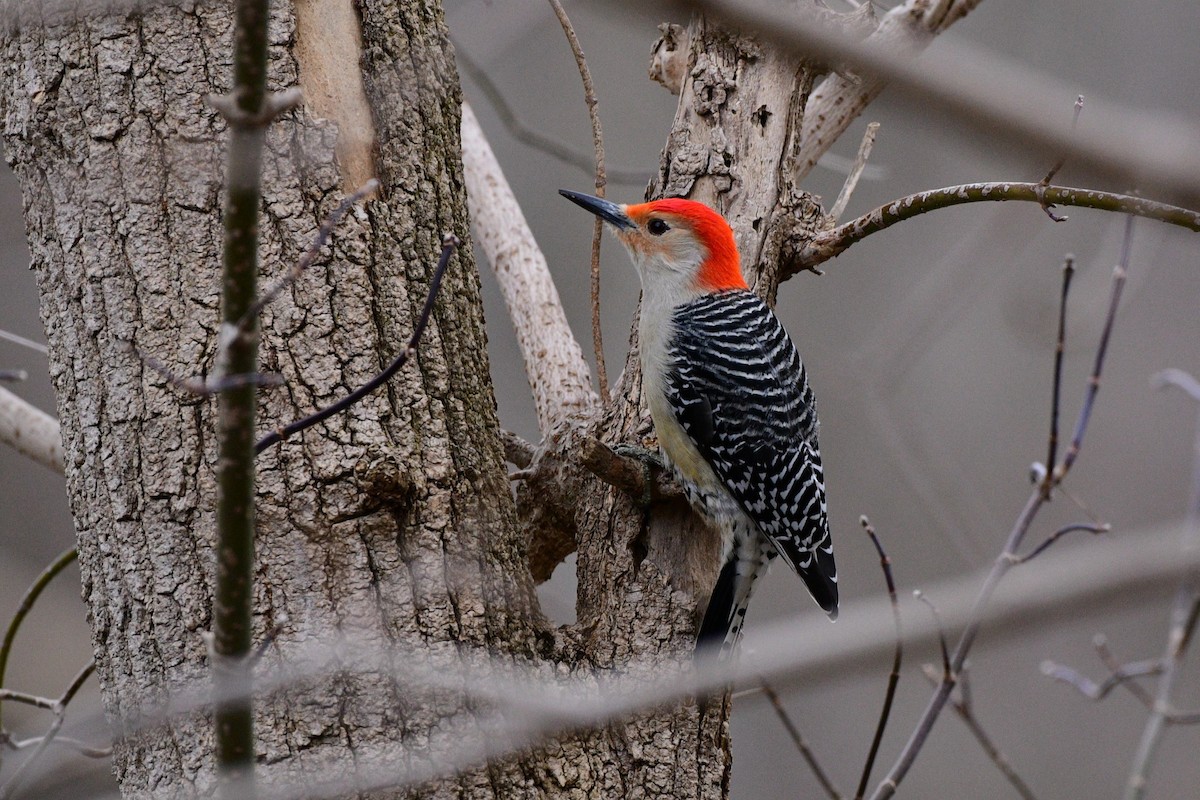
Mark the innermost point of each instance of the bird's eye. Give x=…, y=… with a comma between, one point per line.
x=657, y=227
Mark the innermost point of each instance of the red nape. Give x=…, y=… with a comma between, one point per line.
x=722, y=270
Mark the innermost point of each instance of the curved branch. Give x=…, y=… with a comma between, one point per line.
x=31, y=431
x=835, y=241
x=558, y=375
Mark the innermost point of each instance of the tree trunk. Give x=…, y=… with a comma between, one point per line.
x=393, y=525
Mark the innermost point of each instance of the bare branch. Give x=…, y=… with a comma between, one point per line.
x=30, y=431
x=1093, y=387
x=1179, y=379
x=948, y=675
x=533, y=137
x=516, y=450
x=14, y=696
x=58, y=707
x=1125, y=148
x=209, y=385
x=1044, y=182
x=1005, y=560
x=554, y=365
x=627, y=474
x=37, y=347
x=831, y=243
x=589, y=96
x=889, y=697
x=310, y=254
x=806, y=752
x=82, y=748
x=962, y=706
x=1122, y=676
x=839, y=100
x=30, y=597
x=1185, y=614
x=1056, y=393
x=856, y=171
x=1058, y=534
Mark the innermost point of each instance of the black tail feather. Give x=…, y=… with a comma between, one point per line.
x=821, y=580
x=719, y=616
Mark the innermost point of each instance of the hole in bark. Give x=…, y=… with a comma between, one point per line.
x=639, y=549
x=557, y=595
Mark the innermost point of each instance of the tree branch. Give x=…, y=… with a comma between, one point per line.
x=554, y=366
x=30, y=597
x=248, y=112
x=1125, y=147
x=885, y=564
x=1007, y=557
x=30, y=431
x=832, y=243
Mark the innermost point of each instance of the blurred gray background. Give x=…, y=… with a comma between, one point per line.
x=929, y=346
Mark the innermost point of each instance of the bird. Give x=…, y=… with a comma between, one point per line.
x=733, y=412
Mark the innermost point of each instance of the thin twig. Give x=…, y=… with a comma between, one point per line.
x=833, y=242
x=59, y=708
x=1058, y=534
x=1056, y=393
x=1004, y=562
x=889, y=697
x=806, y=752
x=1093, y=387
x=209, y=385
x=449, y=243
x=13, y=375
x=12, y=695
x=966, y=712
x=1100, y=642
x=1044, y=182
x=856, y=171
x=1123, y=675
x=269, y=639
x=589, y=92
x=309, y=256
x=948, y=675
x=1185, y=612
x=533, y=137
x=82, y=748
x=30, y=597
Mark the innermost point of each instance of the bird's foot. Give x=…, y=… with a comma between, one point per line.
x=650, y=460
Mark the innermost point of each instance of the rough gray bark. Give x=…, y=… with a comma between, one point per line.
x=393, y=524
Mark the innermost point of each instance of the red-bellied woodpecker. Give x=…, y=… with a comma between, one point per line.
x=730, y=400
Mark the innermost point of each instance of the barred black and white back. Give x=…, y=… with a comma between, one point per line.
x=736, y=385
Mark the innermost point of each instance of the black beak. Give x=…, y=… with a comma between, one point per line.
x=609, y=212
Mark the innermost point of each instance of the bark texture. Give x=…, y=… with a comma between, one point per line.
x=393, y=524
